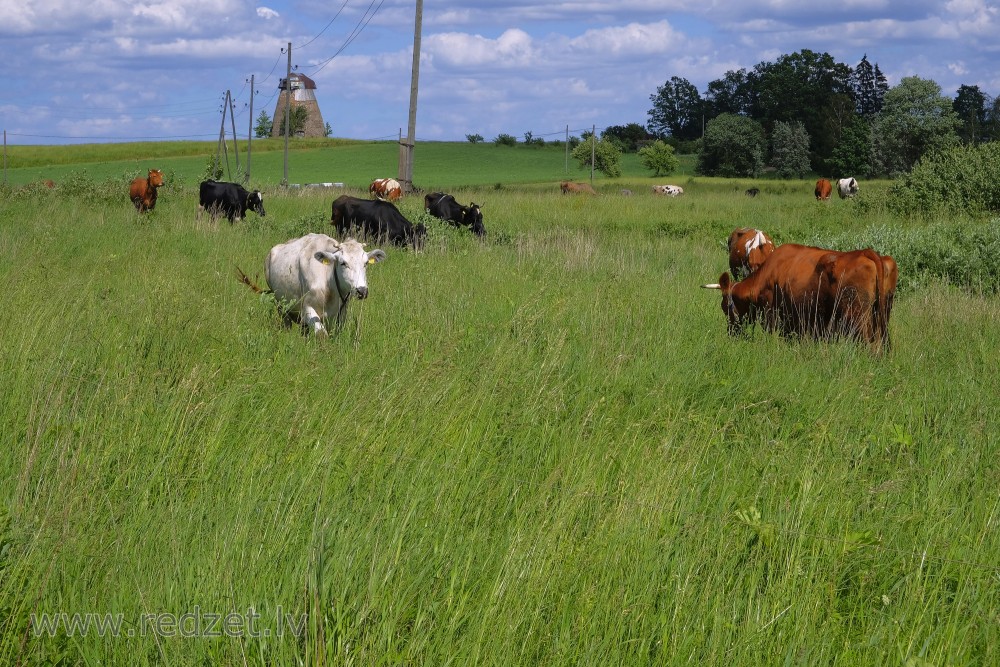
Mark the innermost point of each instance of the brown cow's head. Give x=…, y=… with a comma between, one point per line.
x=738, y=308
x=155, y=178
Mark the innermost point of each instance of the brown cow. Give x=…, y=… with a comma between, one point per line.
x=567, y=186
x=824, y=189
x=386, y=189
x=142, y=192
x=815, y=292
x=748, y=248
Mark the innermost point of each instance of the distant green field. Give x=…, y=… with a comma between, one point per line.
x=356, y=164
x=541, y=449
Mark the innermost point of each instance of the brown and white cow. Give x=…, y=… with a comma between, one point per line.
x=808, y=291
x=386, y=189
x=748, y=248
x=142, y=191
x=568, y=187
x=823, y=189
x=668, y=190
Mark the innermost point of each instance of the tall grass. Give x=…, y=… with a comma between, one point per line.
x=541, y=449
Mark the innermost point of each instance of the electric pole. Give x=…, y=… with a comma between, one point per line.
x=406, y=149
x=288, y=110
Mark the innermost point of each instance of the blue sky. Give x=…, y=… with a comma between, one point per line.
x=110, y=70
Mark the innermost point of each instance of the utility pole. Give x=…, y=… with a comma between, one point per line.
x=232, y=120
x=288, y=110
x=593, y=151
x=406, y=150
x=246, y=175
x=567, y=149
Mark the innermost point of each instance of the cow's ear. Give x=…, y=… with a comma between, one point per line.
x=375, y=256
x=325, y=257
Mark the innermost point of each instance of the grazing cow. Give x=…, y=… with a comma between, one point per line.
x=626, y=192
x=748, y=248
x=815, y=292
x=49, y=183
x=847, y=187
x=752, y=192
x=142, y=191
x=823, y=189
x=444, y=206
x=377, y=219
x=669, y=190
x=386, y=189
x=231, y=199
x=569, y=187
x=315, y=275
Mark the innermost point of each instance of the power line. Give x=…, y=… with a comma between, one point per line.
x=362, y=24
x=300, y=46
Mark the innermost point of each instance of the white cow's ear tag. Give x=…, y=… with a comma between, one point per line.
x=371, y=260
x=326, y=260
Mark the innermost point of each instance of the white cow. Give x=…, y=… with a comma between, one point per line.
x=317, y=275
x=847, y=187
x=669, y=190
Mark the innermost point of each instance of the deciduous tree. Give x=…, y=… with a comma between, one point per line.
x=733, y=146
x=676, y=111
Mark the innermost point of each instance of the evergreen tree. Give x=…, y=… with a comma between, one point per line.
x=867, y=100
x=790, y=149
x=881, y=88
x=970, y=106
x=263, y=127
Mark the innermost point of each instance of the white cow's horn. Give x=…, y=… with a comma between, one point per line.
x=712, y=286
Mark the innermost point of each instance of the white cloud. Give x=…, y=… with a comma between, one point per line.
x=267, y=13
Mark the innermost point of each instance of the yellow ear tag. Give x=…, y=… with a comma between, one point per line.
x=371, y=260
x=326, y=260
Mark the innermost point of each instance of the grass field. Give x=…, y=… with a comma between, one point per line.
x=543, y=449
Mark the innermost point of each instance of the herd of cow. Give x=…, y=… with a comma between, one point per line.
x=790, y=289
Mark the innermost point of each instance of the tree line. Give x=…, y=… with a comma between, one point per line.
x=806, y=111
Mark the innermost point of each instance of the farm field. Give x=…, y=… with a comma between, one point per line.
x=541, y=449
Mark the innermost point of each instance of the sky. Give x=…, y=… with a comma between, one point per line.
x=77, y=71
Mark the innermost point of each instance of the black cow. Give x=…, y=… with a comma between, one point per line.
x=444, y=206
x=752, y=192
x=230, y=199
x=375, y=219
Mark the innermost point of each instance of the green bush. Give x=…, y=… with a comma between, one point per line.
x=504, y=139
x=659, y=158
x=964, y=254
x=964, y=178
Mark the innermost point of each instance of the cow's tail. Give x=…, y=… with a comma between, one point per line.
x=880, y=315
x=245, y=279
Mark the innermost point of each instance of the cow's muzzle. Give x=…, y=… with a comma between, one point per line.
x=362, y=292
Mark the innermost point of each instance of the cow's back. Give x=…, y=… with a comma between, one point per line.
x=290, y=271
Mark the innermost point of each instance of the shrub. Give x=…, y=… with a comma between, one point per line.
x=607, y=158
x=964, y=178
x=965, y=254
x=474, y=138
x=504, y=139
x=659, y=158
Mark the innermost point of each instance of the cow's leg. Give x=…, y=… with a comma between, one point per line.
x=312, y=319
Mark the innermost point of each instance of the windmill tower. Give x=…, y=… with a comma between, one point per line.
x=303, y=94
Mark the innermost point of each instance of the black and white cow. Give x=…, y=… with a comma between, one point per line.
x=444, y=206
x=374, y=219
x=229, y=199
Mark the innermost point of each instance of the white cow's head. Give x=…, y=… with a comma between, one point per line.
x=349, y=263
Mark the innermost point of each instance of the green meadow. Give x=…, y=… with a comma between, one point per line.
x=540, y=449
